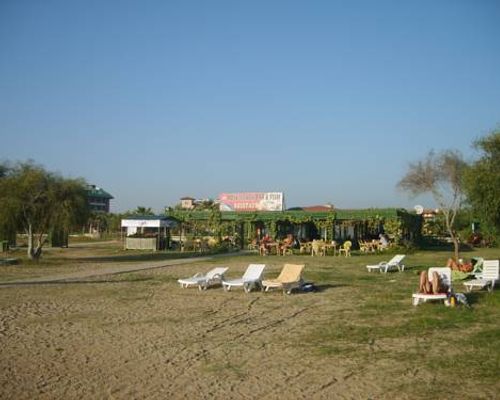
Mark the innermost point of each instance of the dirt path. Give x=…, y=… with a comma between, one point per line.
x=115, y=268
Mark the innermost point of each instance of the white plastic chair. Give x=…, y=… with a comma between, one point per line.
x=445, y=276
x=486, y=278
x=393, y=263
x=212, y=277
x=250, y=279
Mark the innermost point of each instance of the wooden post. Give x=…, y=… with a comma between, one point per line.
x=180, y=237
x=121, y=237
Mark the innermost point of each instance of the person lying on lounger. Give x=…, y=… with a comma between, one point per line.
x=431, y=285
x=459, y=265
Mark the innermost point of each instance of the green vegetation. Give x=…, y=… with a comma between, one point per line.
x=482, y=184
x=39, y=202
x=442, y=176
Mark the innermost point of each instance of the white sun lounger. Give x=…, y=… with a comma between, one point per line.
x=212, y=277
x=384, y=266
x=486, y=278
x=445, y=276
x=250, y=279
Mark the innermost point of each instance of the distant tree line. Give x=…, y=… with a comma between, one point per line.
x=36, y=201
x=111, y=222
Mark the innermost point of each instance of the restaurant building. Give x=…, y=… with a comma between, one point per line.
x=249, y=216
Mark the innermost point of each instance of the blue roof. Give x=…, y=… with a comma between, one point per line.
x=150, y=217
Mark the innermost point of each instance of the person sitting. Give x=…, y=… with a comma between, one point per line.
x=383, y=242
x=264, y=245
x=287, y=243
x=254, y=244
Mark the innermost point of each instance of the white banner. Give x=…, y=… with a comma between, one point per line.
x=251, y=201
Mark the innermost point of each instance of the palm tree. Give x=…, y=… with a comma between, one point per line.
x=143, y=211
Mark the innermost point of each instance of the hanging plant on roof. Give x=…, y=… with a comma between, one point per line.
x=272, y=229
x=373, y=223
x=215, y=221
x=322, y=224
x=394, y=228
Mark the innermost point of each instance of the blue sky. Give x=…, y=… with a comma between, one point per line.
x=327, y=101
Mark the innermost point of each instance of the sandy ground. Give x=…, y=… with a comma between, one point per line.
x=162, y=342
x=143, y=337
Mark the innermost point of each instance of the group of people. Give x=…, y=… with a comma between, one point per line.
x=266, y=243
x=427, y=285
x=373, y=245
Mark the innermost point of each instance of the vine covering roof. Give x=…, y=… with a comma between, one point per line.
x=293, y=215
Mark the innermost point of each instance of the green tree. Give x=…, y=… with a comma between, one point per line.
x=7, y=221
x=215, y=222
x=207, y=204
x=97, y=222
x=442, y=176
x=38, y=201
x=114, y=222
x=4, y=168
x=142, y=211
x=482, y=183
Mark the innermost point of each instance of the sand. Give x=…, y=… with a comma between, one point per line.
x=140, y=336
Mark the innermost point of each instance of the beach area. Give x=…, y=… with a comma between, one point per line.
x=139, y=335
x=249, y=200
